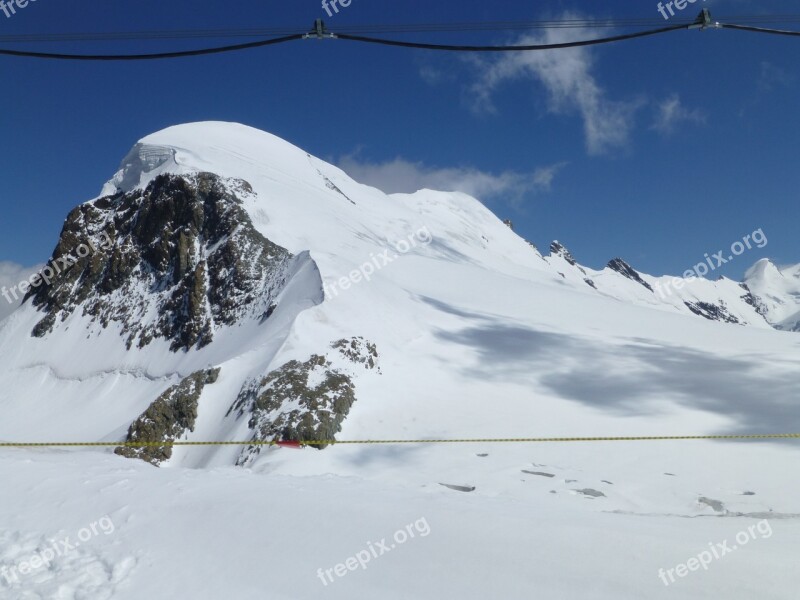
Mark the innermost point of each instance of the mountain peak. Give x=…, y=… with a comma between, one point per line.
x=226, y=149
x=762, y=268
x=624, y=269
x=558, y=249
x=778, y=289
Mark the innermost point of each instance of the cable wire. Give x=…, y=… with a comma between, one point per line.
x=377, y=28
x=531, y=47
x=760, y=29
x=327, y=35
x=155, y=56
x=703, y=22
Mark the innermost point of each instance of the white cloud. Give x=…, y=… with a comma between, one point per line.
x=401, y=175
x=671, y=112
x=543, y=176
x=11, y=274
x=432, y=75
x=571, y=86
x=772, y=76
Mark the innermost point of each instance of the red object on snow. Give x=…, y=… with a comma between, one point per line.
x=288, y=444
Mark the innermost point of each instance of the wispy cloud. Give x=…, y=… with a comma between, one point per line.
x=543, y=176
x=670, y=113
x=572, y=88
x=772, y=76
x=433, y=75
x=401, y=175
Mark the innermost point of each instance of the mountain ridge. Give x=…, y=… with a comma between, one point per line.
x=224, y=242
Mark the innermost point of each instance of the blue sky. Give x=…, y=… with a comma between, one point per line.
x=657, y=150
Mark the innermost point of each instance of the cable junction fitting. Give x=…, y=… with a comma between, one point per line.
x=319, y=32
x=703, y=21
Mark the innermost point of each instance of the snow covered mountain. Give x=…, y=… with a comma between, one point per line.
x=778, y=293
x=722, y=300
x=224, y=237
x=253, y=292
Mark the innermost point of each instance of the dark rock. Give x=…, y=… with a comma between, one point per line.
x=558, y=249
x=712, y=312
x=591, y=493
x=167, y=419
x=184, y=250
x=315, y=411
x=540, y=473
x=624, y=269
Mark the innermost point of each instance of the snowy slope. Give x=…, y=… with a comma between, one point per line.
x=476, y=335
x=778, y=290
x=721, y=300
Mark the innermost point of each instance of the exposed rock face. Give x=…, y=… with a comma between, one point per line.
x=558, y=249
x=624, y=269
x=358, y=351
x=185, y=260
x=752, y=300
x=303, y=401
x=712, y=312
x=168, y=418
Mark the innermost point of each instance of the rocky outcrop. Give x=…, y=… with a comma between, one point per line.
x=185, y=259
x=712, y=312
x=624, y=269
x=358, y=351
x=558, y=249
x=167, y=419
x=304, y=401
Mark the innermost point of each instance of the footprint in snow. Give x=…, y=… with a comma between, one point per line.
x=79, y=573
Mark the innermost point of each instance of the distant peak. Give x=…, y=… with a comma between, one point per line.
x=624, y=269
x=558, y=249
x=761, y=268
